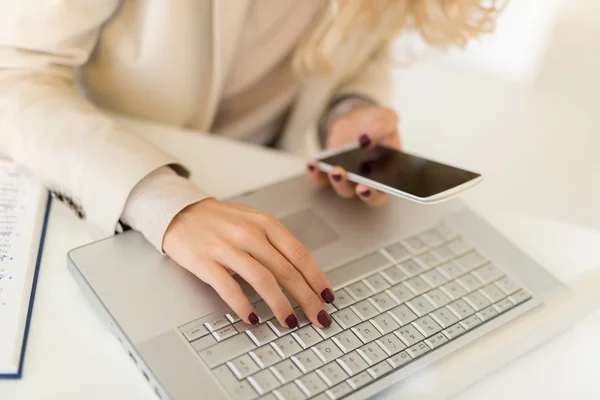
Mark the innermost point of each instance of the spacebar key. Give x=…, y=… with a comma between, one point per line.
x=357, y=269
x=227, y=350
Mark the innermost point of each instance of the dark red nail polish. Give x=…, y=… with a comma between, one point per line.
x=364, y=140
x=336, y=177
x=366, y=193
x=311, y=168
x=291, y=321
x=324, y=318
x=253, y=318
x=327, y=295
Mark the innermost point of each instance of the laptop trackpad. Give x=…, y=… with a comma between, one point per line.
x=309, y=229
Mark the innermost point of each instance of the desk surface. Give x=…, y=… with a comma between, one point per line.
x=72, y=355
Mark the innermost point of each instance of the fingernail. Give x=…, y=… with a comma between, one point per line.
x=364, y=140
x=253, y=318
x=336, y=177
x=327, y=295
x=366, y=193
x=291, y=321
x=324, y=318
x=311, y=168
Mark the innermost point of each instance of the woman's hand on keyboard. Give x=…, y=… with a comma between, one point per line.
x=212, y=238
x=368, y=125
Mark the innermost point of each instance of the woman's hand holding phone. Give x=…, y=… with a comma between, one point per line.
x=368, y=125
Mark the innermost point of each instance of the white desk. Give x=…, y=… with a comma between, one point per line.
x=71, y=354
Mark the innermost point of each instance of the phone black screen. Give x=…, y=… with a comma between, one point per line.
x=408, y=173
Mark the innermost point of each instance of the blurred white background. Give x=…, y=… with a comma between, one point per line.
x=522, y=107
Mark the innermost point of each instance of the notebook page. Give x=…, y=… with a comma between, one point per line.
x=20, y=227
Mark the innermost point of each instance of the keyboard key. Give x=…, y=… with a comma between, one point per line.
x=357, y=269
x=241, y=326
x=398, y=252
x=411, y=268
x=347, y=341
x=415, y=245
x=286, y=346
x=385, y=323
x=487, y=313
x=393, y=275
x=376, y=283
x=339, y=391
x=261, y=334
x=239, y=389
x=346, y=318
x=477, y=301
x=417, y=285
x=225, y=333
x=507, y=285
x=420, y=306
x=217, y=323
x=359, y=290
x=400, y=293
x=372, y=353
x=398, y=360
x=427, y=326
x=432, y=238
x=450, y=270
x=307, y=336
x=264, y=381
x=342, y=299
x=446, y=232
x=263, y=311
x=460, y=309
x=503, y=305
x=364, y=309
x=437, y=298
x=434, y=278
x=311, y=384
x=427, y=260
x=391, y=344
x=402, y=315
x=379, y=370
x=519, y=297
x=436, y=340
x=470, y=261
x=469, y=282
x=203, y=343
x=359, y=380
x=332, y=374
x=366, y=332
x=493, y=293
x=278, y=328
x=327, y=351
x=454, y=290
x=418, y=350
x=301, y=316
x=444, y=317
x=307, y=361
x=291, y=391
x=331, y=330
x=271, y=396
x=194, y=330
x=409, y=335
x=454, y=331
x=243, y=366
x=383, y=302
x=286, y=371
x=488, y=273
x=232, y=317
x=442, y=254
x=458, y=246
x=353, y=363
x=265, y=356
x=227, y=350
x=471, y=322
x=330, y=308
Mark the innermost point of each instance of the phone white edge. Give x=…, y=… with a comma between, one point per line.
x=436, y=198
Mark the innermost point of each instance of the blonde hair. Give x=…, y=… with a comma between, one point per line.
x=440, y=23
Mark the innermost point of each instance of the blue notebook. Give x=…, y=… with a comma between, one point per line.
x=24, y=207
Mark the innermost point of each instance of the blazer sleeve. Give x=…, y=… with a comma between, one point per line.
x=76, y=150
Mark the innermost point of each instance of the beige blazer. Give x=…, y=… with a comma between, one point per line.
x=147, y=54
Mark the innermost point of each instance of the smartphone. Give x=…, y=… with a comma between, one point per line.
x=399, y=173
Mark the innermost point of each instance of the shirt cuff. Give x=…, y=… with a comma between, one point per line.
x=156, y=200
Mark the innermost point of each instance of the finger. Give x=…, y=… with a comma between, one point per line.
x=230, y=291
x=370, y=196
x=316, y=176
x=340, y=183
x=261, y=279
x=376, y=125
x=394, y=141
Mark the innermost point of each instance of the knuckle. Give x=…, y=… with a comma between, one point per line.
x=263, y=278
x=302, y=254
x=289, y=273
x=219, y=248
x=243, y=233
x=264, y=218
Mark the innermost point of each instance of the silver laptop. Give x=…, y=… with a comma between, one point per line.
x=413, y=283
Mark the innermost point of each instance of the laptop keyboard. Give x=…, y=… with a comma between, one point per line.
x=392, y=306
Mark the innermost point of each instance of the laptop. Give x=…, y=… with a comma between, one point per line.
x=413, y=283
